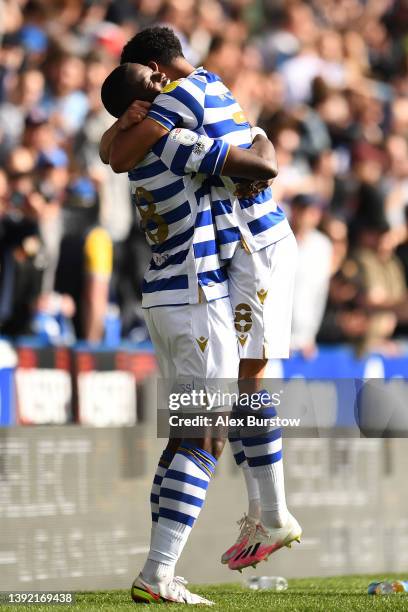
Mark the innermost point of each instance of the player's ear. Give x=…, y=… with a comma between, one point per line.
x=153, y=66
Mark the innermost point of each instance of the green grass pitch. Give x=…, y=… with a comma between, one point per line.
x=340, y=594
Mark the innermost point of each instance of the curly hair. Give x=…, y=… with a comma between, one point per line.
x=157, y=44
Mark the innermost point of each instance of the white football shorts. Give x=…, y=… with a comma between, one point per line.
x=261, y=289
x=195, y=345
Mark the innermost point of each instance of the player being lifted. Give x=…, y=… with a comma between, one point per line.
x=255, y=237
x=175, y=210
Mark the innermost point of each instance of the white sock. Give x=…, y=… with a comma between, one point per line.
x=182, y=494
x=165, y=549
x=263, y=452
x=252, y=487
x=272, y=493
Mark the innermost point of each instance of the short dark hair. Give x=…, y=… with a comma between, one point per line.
x=157, y=44
x=120, y=89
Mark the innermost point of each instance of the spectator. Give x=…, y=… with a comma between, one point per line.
x=52, y=177
x=85, y=261
x=345, y=319
x=39, y=135
x=327, y=184
x=26, y=94
x=114, y=192
x=402, y=254
x=65, y=102
x=384, y=284
x=402, y=250
x=21, y=262
x=396, y=182
x=313, y=274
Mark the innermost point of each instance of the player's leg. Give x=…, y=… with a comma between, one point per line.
x=203, y=349
x=181, y=496
x=250, y=381
x=250, y=376
x=166, y=370
x=257, y=289
x=248, y=522
x=252, y=488
x=262, y=299
x=202, y=346
x=247, y=293
x=251, y=372
x=272, y=310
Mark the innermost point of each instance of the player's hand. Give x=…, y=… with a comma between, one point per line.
x=250, y=189
x=245, y=189
x=262, y=185
x=136, y=112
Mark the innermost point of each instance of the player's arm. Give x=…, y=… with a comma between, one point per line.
x=134, y=114
x=106, y=141
x=247, y=188
x=180, y=103
x=185, y=151
x=130, y=147
x=257, y=163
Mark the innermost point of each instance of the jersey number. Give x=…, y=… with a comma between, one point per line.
x=152, y=223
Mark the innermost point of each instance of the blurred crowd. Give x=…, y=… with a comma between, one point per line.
x=326, y=79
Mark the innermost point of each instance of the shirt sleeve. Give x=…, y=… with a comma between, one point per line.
x=184, y=152
x=181, y=103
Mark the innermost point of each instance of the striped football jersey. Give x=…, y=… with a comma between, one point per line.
x=201, y=102
x=172, y=198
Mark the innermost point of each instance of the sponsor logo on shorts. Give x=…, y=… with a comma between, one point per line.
x=262, y=295
x=202, y=343
x=242, y=339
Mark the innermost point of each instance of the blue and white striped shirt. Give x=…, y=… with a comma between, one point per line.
x=201, y=102
x=174, y=207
